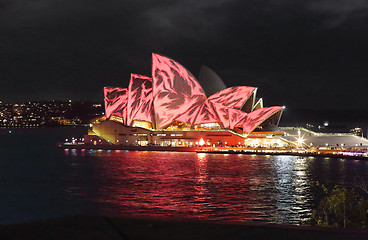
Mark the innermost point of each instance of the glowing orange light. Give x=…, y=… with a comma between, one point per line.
x=201, y=142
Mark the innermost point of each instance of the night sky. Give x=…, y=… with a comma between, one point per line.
x=305, y=54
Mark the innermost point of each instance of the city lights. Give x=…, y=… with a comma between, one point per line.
x=46, y=114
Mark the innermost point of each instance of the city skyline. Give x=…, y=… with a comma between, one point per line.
x=34, y=114
x=307, y=55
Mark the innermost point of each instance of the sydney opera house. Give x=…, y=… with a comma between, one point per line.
x=173, y=108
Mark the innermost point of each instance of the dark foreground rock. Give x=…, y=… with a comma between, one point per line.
x=110, y=227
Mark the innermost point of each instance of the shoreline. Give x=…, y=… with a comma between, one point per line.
x=306, y=154
x=95, y=226
x=218, y=150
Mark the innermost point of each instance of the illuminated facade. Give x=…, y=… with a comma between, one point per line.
x=172, y=109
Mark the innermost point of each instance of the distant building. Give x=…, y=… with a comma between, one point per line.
x=357, y=131
x=309, y=139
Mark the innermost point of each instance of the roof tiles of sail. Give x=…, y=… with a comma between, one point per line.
x=139, y=99
x=232, y=97
x=257, y=117
x=222, y=113
x=176, y=93
x=210, y=81
x=237, y=118
x=207, y=114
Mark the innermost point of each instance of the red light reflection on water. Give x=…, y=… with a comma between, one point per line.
x=188, y=185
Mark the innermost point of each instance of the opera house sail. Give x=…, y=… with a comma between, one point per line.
x=173, y=101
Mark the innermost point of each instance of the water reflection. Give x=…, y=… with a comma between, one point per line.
x=293, y=188
x=200, y=186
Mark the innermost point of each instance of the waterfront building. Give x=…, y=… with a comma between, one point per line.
x=305, y=138
x=172, y=108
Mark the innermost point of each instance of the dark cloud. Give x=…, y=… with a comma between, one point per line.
x=299, y=53
x=339, y=11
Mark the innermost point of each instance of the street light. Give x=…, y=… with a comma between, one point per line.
x=201, y=142
x=300, y=141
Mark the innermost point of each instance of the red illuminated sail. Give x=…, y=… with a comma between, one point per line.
x=257, y=117
x=237, y=118
x=173, y=94
x=139, y=99
x=207, y=114
x=222, y=113
x=116, y=102
x=232, y=97
x=176, y=93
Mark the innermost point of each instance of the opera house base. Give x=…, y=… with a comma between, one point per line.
x=112, y=135
x=132, y=148
x=118, y=136
x=220, y=150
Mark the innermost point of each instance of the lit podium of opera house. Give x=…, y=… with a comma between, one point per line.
x=173, y=108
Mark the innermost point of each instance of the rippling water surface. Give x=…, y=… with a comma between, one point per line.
x=38, y=181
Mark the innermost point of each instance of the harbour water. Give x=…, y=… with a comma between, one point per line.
x=39, y=181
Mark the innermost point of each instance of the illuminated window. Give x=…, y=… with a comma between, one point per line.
x=176, y=125
x=115, y=118
x=142, y=124
x=177, y=134
x=208, y=126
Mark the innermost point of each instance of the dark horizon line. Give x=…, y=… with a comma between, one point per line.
x=101, y=101
x=47, y=100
